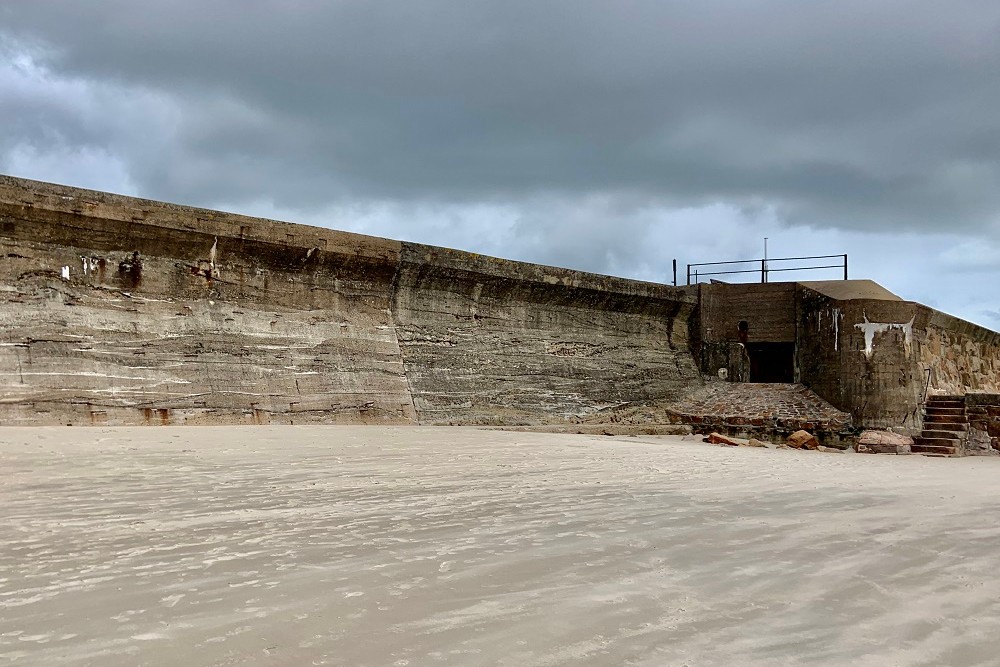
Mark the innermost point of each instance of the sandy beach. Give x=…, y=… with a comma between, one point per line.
x=421, y=546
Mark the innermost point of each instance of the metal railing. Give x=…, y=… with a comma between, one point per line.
x=765, y=267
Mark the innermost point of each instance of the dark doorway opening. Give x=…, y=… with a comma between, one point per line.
x=772, y=362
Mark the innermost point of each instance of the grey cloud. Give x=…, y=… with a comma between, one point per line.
x=836, y=113
x=609, y=137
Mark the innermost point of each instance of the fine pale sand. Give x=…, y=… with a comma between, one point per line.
x=421, y=546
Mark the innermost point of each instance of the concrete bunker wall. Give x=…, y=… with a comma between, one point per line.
x=871, y=357
x=867, y=356
x=861, y=355
x=747, y=331
x=222, y=318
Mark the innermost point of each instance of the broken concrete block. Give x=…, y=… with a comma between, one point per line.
x=883, y=442
x=803, y=440
x=874, y=437
x=719, y=439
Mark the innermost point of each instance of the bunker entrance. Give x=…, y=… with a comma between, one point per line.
x=771, y=362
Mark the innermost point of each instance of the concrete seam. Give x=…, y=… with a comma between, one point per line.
x=394, y=314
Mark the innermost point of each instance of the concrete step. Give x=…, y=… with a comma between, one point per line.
x=934, y=410
x=944, y=400
x=936, y=442
x=941, y=434
x=948, y=419
x=955, y=427
x=939, y=450
x=946, y=397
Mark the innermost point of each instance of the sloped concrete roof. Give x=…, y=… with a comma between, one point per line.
x=845, y=290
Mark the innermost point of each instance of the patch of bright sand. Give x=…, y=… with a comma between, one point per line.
x=417, y=546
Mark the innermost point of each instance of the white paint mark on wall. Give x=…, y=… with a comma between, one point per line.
x=871, y=328
x=836, y=329
x=90, y=264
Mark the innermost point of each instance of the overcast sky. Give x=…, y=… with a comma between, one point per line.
x=604, y=136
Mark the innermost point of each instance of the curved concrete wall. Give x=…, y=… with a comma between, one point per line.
x=223, y=318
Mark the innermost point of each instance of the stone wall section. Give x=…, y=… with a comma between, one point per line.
x=962, y=356
x=122, y=311
x=983, y=412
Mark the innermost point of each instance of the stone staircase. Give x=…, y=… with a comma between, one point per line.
x=945, y=426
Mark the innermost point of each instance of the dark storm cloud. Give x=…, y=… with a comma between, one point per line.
x=846, y=113
x=602, y=136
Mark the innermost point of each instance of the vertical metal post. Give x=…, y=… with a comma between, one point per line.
x=675, y=273
x=845, y=266
x=763, y=271
x=765, y=261
x=689, y=274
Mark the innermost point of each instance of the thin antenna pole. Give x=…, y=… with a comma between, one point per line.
x=763, y=278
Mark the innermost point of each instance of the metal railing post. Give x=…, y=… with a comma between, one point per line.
x=845, y=266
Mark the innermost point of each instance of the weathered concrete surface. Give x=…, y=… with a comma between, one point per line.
x=125, y=311
x=488, y=341
x=392, y=546
x=769, y=310
x=846, y=290
x=222, y=318
x=227, y=318
x=862, y=356
x=876, y=358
